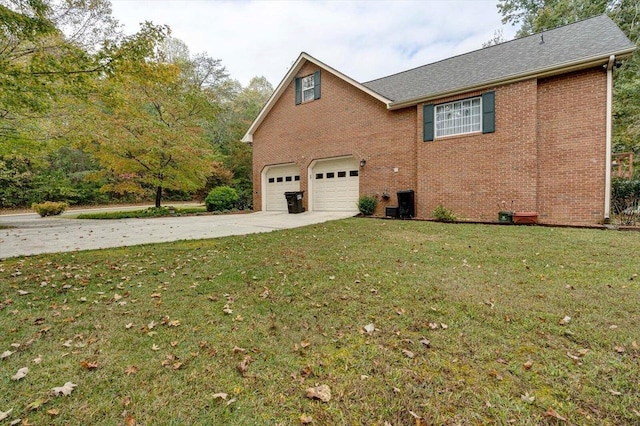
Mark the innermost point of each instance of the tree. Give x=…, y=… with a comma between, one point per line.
x=149, y=117
x=539, y=15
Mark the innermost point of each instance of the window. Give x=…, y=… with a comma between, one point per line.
x=307, y=88
x=342, y=174
x=460, y=117
x=287, y=179
x=353, y=173
x=318, y=175
x=330, y=175
x=296, y=178
x=271, y=180
x=279, y=179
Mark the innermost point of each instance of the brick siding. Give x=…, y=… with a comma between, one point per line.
x=546, y=155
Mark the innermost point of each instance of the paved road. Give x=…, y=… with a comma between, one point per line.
x=29, y=234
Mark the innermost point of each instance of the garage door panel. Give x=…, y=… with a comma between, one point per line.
x=336, y=185
x=280, y=179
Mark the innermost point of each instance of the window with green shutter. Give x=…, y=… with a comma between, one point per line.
x=307, y=88
x=472, y=115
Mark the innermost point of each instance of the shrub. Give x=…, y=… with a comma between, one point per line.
x=367, y=205
x=221, y=198
x=625, y=200
x=442, y=214
x=49, y=208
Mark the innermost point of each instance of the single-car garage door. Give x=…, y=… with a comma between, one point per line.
x=280, y=179
x=336, y=185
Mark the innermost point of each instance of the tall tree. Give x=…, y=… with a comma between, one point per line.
x=149, y=117
x=539, y=15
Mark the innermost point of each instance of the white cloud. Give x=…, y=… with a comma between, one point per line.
x=362, y=39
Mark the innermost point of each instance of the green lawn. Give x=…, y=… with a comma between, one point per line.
x=469, y=322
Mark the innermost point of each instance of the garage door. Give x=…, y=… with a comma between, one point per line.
x=281, y=179
x=336, y=185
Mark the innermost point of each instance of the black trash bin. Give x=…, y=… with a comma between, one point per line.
x=406, y=204
x=294, y=201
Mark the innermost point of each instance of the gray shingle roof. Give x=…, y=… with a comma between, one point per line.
x=585, y=40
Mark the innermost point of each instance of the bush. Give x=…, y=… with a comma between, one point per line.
x=49, y=208
x=442, y=214
x=625, y=200
x=367, y=205
x=221, y=198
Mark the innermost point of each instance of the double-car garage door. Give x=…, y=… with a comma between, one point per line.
x=333, y=185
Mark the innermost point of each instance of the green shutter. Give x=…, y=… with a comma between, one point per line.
x=427, y=120
x=298, y=92
x=316, y=85
x=489, y=112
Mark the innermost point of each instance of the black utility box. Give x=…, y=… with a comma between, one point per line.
x=294, y=201
x=406, y=204
x=391, y=212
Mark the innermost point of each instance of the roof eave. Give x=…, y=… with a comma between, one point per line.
x=540, y=73
x=304, y=57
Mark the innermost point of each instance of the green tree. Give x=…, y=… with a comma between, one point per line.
x=538, y=15
x=148, y=125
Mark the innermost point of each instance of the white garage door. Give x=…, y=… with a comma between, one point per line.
x=280, y=179
x=336, y=185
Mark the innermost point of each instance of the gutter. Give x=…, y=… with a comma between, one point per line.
x=607, y=184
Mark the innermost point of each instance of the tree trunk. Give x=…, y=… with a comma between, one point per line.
x=158, y=196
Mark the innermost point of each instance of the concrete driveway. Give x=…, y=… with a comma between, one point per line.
x=29, y=234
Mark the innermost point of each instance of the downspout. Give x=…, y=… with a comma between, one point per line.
x=607, y=185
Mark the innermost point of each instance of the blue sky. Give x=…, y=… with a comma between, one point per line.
x=363, y=39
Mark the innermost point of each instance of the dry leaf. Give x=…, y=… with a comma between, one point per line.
x=220, y=395
x=237, y=349
x=369, y=328
x=305, y=419
x=151, y=325
x=23, y=293
x=156, y=295
x=132, y=369
x=130, y=421
x=5, y=354
x=36, y=404
x=5, y=414
x=408, y=353
x=244, y=364
x=322, y=392
x=564, y=321
x=64, y=390
x=20, y=374
x=527, y=398
x=620, y=349
x=615, y=393
x=433, y=325
x=89, y=365
x=155, y=347
x=53, y=412
x=553, y=413
x=38, y=360
x=527, y=365
x=128, y=326
x=126, y=401
x=425, y=342
x=174, y=343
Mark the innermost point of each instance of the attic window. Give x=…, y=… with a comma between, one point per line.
x=307, y=88
x=459, y=117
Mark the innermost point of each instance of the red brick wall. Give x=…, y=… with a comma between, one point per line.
x=472, y=174
x=546, y=155
x=344, y=121
x=571, y=149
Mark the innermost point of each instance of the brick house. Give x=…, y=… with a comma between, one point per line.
x=527, y=121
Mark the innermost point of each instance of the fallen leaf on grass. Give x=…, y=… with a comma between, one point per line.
x=130, y=420
x=89, y=365
x=53, y=412
x=155, y=347
x=132, y=369
x=408, y=353
x=527, y=365
x=64, y=390
x=244, y=364
x=20, y=374
x=5, y=354
x=305, y=419
x=614, y=393
x=564, y=321
x=38, y=360
x=425, y=342
x=553, y=413
x=5, y=414
x=23, y=293
x=220, y=395
x=620, y=349
x=369, y=328
x=322, y=392
x=128, y=326
x=527, y=398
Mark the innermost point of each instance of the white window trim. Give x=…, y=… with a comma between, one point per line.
x=438, y=124
x=310, y=79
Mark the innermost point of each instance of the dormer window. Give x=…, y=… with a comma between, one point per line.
x=308, y=88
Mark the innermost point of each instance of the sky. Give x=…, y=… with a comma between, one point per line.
x=362, y=39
